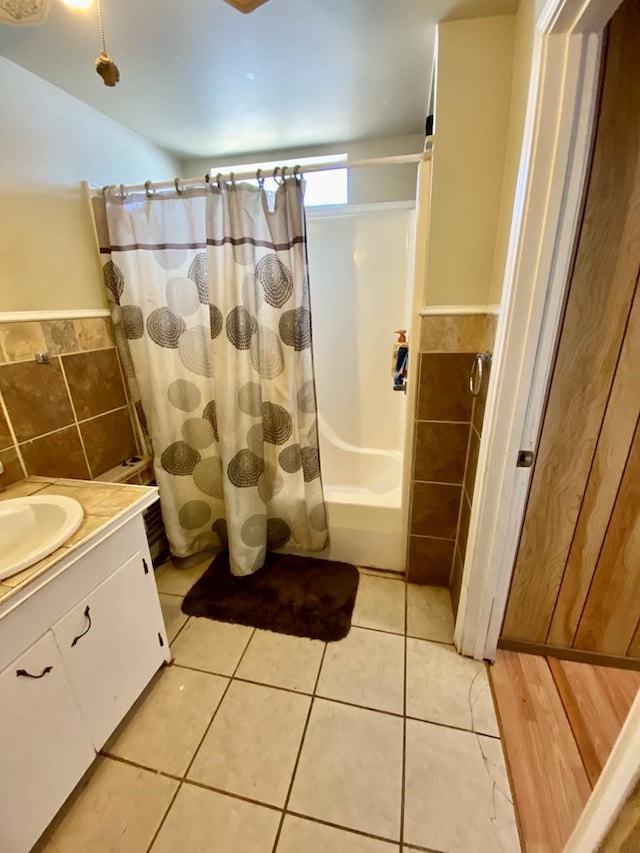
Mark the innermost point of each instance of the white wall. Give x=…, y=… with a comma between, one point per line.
x=49, y=143
x=473, y=93
x=366, y=186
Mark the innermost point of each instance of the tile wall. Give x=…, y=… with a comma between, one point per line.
x=69, y=418
x=448, y=424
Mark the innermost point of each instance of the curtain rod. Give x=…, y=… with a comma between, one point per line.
x=327, y=166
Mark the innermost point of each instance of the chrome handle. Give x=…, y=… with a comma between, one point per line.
x=477, y=372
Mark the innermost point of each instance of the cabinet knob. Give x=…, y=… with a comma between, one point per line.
x=24, y=674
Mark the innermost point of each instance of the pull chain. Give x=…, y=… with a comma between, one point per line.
x=105, y=66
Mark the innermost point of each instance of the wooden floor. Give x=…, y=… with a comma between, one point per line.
x=558, y=721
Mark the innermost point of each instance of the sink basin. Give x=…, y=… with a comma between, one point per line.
x=31, y=528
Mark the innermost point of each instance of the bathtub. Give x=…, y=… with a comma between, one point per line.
x=363, y=494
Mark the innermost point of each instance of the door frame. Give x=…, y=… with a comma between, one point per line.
x=556, y=150
x=557, y=142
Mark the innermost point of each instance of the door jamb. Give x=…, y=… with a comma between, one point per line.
x=561, y=105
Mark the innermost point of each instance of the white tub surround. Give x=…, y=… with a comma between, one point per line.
x=81, y=635
x=360, y=270
x=363, y=496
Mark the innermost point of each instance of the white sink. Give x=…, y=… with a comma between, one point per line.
x=31, y=528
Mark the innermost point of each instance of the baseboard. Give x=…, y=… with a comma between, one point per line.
x=577, y=655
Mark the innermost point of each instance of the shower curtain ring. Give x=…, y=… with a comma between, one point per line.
x=122, y=192
x=275, y=174
x=177, y=183
x=284, y=175
x=233, y=180
x=147, y=188
x=219, y=180
x=259, y=178
x=297, y=173
x=104, y=191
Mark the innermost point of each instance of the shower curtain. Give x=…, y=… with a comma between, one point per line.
x=209, y=295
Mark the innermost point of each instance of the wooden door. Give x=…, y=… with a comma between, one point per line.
x=576, y=581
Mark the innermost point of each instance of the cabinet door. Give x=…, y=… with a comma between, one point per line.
x=110, y=646
x=43, y=746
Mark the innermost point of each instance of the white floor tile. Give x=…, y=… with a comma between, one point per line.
x=202, y=821
x=350, y=769
x=178, y=581
x=212, y=646
x=252, y=745
x=282, y=661
x=118, y=811
x=172, y=614
x=165, y=730
x=304, y=836
x=366, y=668
x=457, y=795
x=444, y=687
x=380, y=604
x=429, y=613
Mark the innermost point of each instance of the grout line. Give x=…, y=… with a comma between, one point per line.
x=302, y=739
x=164, y=817
x=438, y=483
x=12, y=433
x=102, y=414
x=106, y=754
x=75, y=417
x=359, y=832
x=201, y=741
x=425, y=536
x=435, y=421
x=206, y=787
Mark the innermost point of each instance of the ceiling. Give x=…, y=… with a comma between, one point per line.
x=200, y=78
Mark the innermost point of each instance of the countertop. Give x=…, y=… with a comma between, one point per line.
x=102, y=504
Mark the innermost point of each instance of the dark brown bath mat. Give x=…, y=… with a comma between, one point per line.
x=302, y=596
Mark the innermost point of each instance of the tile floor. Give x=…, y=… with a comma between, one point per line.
x=254, y=742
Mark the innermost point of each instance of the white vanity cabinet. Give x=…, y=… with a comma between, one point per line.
x=43, y=746
x=77, y=648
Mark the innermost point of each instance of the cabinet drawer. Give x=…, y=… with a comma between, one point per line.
x=44, y=749
x=111, y=644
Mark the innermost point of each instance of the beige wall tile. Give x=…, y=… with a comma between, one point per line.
x=93, y=333
x=20, y=341
x=60, y=336
x=474, y=337
x=441, y=333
